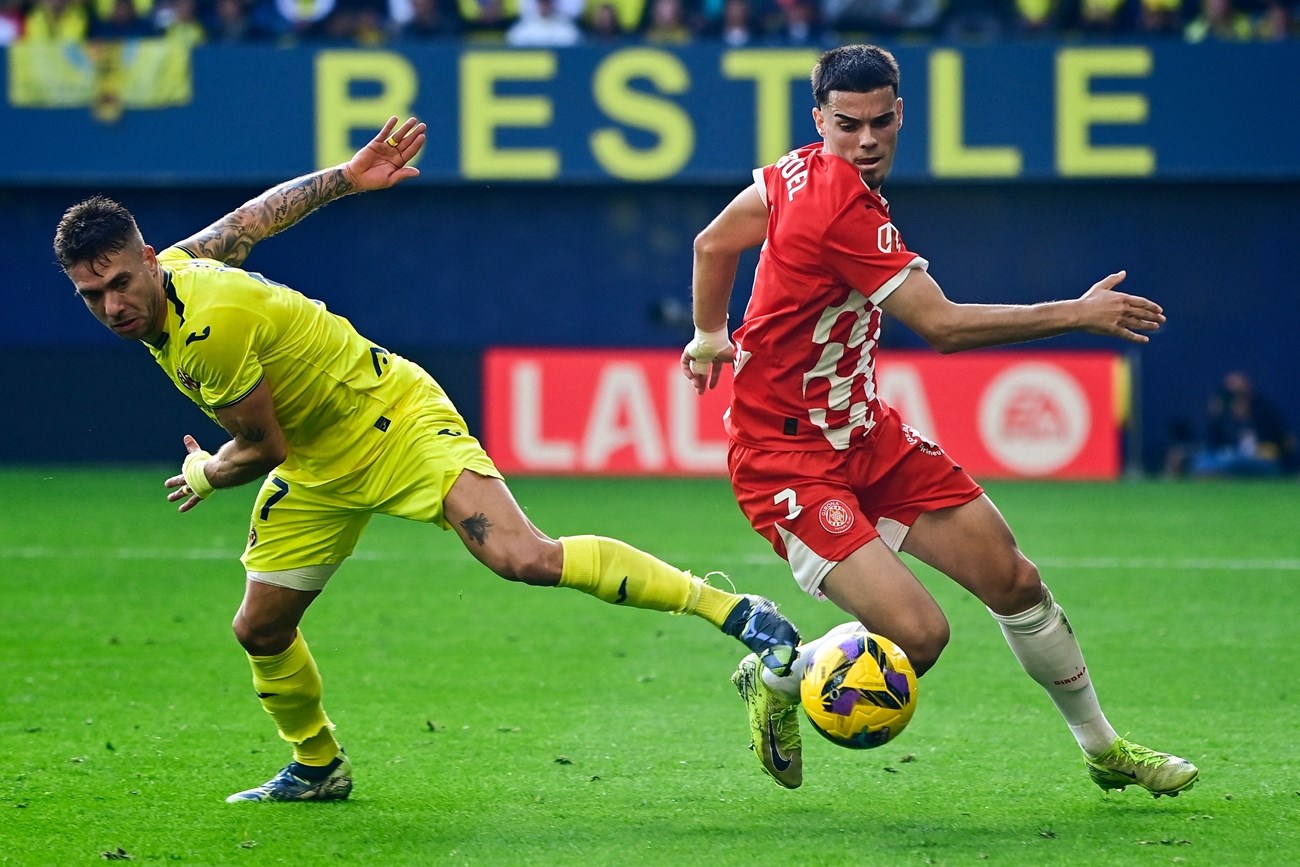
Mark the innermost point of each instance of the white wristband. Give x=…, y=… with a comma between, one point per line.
x=705, y=347
x=714, y=341
x=194, y=475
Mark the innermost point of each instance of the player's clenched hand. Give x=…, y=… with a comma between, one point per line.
x=1117, y=314
x=704, y=356
x=192, y=485
x=383, y=161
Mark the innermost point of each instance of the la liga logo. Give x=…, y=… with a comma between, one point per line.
x=835, y=516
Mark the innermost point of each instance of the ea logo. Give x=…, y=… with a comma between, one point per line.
x=1034, y=418
x=835, y=517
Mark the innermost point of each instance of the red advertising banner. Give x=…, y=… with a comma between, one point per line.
x=631, y=412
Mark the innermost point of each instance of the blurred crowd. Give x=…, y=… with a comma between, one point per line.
x=555, y=23
x=1243, y=433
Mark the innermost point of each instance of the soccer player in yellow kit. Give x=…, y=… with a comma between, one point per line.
x=338, y=429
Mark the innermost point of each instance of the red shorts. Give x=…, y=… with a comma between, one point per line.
x=817, y=508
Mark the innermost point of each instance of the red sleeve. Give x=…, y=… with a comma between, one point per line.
x=864, y=249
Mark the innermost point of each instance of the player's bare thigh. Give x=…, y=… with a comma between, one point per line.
x=490, y=523
x=973, y=545
x=877, y=588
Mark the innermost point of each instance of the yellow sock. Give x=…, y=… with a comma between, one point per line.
x=318, y=750
x=289, y=687
x=715, y=603
x=622, y=575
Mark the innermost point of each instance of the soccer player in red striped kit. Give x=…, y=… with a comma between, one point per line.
x=829, y=474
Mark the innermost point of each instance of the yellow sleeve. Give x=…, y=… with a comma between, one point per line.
x=174, y=255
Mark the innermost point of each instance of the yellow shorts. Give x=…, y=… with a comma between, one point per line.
x=300, y=522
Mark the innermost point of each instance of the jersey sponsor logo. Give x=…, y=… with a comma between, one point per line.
x=836, y=517
x=888, y=240
x=195, y=336
x=925, y=446
x=186, y=380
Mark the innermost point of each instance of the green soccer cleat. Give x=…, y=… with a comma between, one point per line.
x=336, y=785
x=759, y=625
x=773, y=724
x=1127, y=763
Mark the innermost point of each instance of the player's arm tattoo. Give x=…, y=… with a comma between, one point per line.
x=476, y=527
x=231, y=238
x=245, y=432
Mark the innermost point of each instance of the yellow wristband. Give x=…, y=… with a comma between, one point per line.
x=195, y=477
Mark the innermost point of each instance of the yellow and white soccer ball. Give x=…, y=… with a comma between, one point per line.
x=859, y=690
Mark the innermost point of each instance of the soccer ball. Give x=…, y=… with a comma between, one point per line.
x=859, y=690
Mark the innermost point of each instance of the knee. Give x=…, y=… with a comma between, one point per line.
x=924, y=648
x=262, y=639
x=921, y=635
x=537, y=563
x=1018, y=589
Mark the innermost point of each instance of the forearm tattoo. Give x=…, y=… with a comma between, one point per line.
x=231, y=238
x=476, y=527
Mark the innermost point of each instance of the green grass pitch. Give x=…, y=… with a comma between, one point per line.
x=495, y=724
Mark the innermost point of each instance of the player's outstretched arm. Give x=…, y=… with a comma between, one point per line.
x=383, y=162
x=947, y=326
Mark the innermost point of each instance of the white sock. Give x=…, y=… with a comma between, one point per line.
x=1045, y=645
x=789, y=684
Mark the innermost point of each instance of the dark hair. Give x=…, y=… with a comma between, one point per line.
x=93, y=229
x=855, y=69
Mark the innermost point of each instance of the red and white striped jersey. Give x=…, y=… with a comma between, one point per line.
x=805, y=364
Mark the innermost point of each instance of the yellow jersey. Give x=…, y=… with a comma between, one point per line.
x=228, y=329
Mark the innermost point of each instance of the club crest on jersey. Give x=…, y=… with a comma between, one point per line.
x=924, y=445
x=252, y=536
x=835, y=516
x=186, y=380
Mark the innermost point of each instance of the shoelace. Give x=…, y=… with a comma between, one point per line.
x=1134, y=753
x=781, y=718
x=1140, y=755
x=723, y=575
